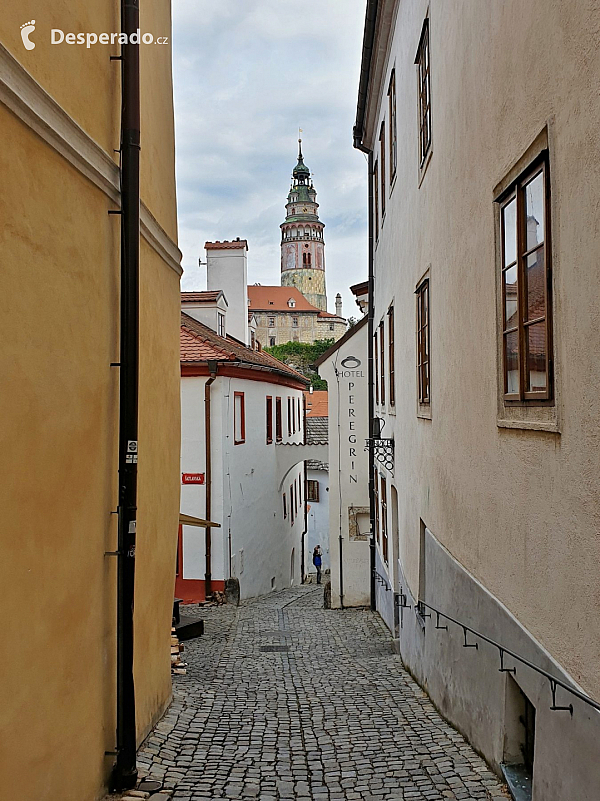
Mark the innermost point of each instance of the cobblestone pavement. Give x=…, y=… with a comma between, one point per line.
x=286, y=700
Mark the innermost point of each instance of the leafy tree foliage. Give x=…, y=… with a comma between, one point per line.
x=300, y=356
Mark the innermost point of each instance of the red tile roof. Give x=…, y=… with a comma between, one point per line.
x=317, y=403
x=275, y=298
x=200, y=343
x=225, y=245
x=200, y=297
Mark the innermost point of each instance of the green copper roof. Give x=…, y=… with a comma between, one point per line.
x=300, y=168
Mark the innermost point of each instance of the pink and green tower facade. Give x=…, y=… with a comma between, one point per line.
x=302, y=243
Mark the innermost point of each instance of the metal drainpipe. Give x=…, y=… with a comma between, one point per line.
x=370, y=329
x=212, y=369
x=124, y=774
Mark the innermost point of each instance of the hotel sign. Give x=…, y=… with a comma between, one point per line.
x=350, y=369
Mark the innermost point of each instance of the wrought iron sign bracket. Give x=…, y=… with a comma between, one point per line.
x=383, y=450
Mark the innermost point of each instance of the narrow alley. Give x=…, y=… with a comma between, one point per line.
x=285, y=700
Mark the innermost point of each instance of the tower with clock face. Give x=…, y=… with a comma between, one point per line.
x=302, y=243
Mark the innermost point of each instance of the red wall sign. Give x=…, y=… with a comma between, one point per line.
x=192, y=478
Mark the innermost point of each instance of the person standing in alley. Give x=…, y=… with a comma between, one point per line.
x=317, y=561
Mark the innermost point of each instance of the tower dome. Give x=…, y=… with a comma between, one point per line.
x=302, y=243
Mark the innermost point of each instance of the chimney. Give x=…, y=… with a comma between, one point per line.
x=227, y=269
x=338, y=304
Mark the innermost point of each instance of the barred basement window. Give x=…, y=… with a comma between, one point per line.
x=312, y=493
x=424, y=89
x=527, y=288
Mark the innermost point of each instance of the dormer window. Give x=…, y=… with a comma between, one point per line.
x=291, y=303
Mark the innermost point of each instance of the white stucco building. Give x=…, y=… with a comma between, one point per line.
x=317, y=482
x=344, y=367
x=242, y=460
x=481, y=123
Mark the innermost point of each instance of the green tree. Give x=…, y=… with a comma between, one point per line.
x=301, y=356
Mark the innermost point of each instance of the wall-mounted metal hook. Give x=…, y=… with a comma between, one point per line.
x=555, y=708
x=502, y=669
x=467, y=644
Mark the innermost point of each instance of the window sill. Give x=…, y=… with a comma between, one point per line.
x=529, y=425
x=423, y=169
x=424, y=412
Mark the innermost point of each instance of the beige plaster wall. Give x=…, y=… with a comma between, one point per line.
x=58, y=334
x=310, y=328
x=518, y=508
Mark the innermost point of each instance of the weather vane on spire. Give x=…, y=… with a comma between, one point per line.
x=299, y=143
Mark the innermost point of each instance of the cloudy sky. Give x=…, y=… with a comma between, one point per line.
x=248, y=74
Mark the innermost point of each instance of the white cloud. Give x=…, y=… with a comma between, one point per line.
x=247, y=74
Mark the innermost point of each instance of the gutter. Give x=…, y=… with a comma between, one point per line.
x=213, y=367
x=124, y=774
x=365, y=74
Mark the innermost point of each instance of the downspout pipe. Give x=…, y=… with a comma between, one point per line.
x=370, y=379
x=124, y=775
x=212, y=369
x=370, y=373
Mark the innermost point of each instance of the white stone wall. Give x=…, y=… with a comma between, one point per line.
x=348, y=470
x=246, y=500
x=318, y=520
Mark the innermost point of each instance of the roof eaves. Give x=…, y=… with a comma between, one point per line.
x=349, y=333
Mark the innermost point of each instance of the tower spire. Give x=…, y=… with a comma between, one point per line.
x=302, y=244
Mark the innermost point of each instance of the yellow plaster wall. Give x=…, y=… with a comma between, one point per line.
x=59, y=331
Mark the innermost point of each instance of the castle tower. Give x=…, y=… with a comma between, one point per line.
x=302, y=244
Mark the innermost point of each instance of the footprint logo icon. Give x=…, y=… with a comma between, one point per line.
x=26, y=29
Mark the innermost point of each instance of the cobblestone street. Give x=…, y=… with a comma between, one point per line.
x=285, y=700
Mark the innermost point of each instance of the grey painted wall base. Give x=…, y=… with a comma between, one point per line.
x=467, y=687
